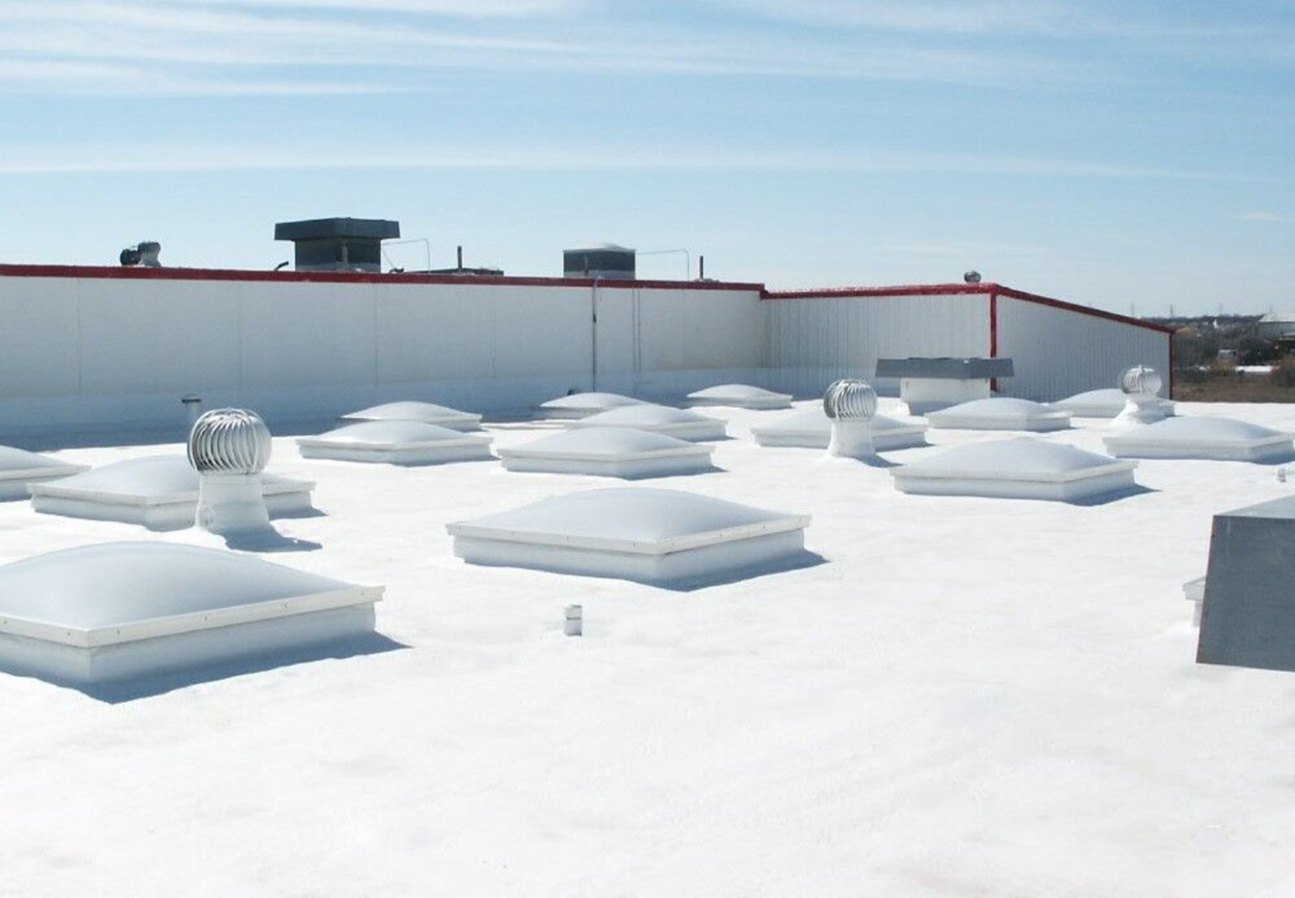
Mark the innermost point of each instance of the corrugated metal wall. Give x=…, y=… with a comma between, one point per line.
x=1058, y=352
x=815, y=341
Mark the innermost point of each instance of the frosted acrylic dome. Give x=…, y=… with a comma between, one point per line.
x=675, y=422
x=608, y=451
x=19, y=467
x=1105, y=404
x=396, y=442
x=424, y=412
x=1223, y=439
x=812, y=430
x=116, y=610
x=740, y=396
x=581, y=405
x=1000, y=413
x=158, y=491
x=650, y=535
x=1022, y=468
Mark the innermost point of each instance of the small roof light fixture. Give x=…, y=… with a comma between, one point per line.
x=1141, y=386
x=1000, y=413
x=396, y=443
x=120, y=613
x=740, y=396
x=20, y=468
x=229, y=448
x=423, y=412
x=972, y=277
x=1218, y=439
x=1021, y=468
x=582, y=405
x=811, y=429
x=661, y=537
x=674, y=422
x=850, y=405
x=609, y=452
x=159, y=492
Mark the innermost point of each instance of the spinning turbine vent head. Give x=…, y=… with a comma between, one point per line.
x=850, y=400
x=1140, y=381
x=229, y=441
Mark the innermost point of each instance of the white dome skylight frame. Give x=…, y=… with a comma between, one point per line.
x=609, y=452
x=413, y=410
x=675, y=422
x=18, y=468
x=396, y=443
x=745, y=396
x=1001, y=413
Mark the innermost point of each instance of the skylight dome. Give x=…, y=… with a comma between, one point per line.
x=1222, y=439
x=1105, y=404
x=740, y=396
x=159, y=492
x=675, y=422
x=812, y=430
x=423, y=412
x=1023, y=468
x=661, y=537
x=582, y=405
x=19, y=468
x=120, y=611
x=396, y=443
x=609, y=452
x=1000, y=413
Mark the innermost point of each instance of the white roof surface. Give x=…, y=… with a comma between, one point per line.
x=971, y=696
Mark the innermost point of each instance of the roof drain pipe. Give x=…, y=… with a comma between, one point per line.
x=850, y=405
x=193, y=407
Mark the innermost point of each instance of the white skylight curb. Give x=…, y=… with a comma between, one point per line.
x=675, y=422
x=608, y=452
x=397, y=443
x=159, y=492
x=740, y=396
x=1017, y=469
x=18, y=468
x=662, y=537
x=1218, y=439
x=1000, y=413
x=582, y=405
x=812, y=430
x=423, y=412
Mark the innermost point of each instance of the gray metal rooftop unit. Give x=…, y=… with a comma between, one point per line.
x=607, y=261
x=338, y=244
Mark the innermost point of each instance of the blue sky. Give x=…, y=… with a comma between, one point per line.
x=1127, y=155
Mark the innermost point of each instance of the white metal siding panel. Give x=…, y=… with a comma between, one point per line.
x=813, y=341
x=1059, y=352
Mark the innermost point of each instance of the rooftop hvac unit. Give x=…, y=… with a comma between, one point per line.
x=338, y=244
x=608, y=261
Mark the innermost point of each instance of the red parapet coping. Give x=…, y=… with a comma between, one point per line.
x=106, y=272
x=991, y=290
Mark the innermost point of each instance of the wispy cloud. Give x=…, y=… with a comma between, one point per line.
x=34, y=160
x=1261, y=216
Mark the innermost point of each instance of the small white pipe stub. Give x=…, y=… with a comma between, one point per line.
x=573, y=624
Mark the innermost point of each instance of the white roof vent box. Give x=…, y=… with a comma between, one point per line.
x=1218, y=439
x=18, y=468
x=159, y=492
x=812, y=430
x=396, y=443
x=582, y=405
x=674, y=422
x=660, y=537
x=740, y=396
x=145, y=613
x=422, y=412
x=1022, y=468
x=1000, y=413
x=609, y=452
